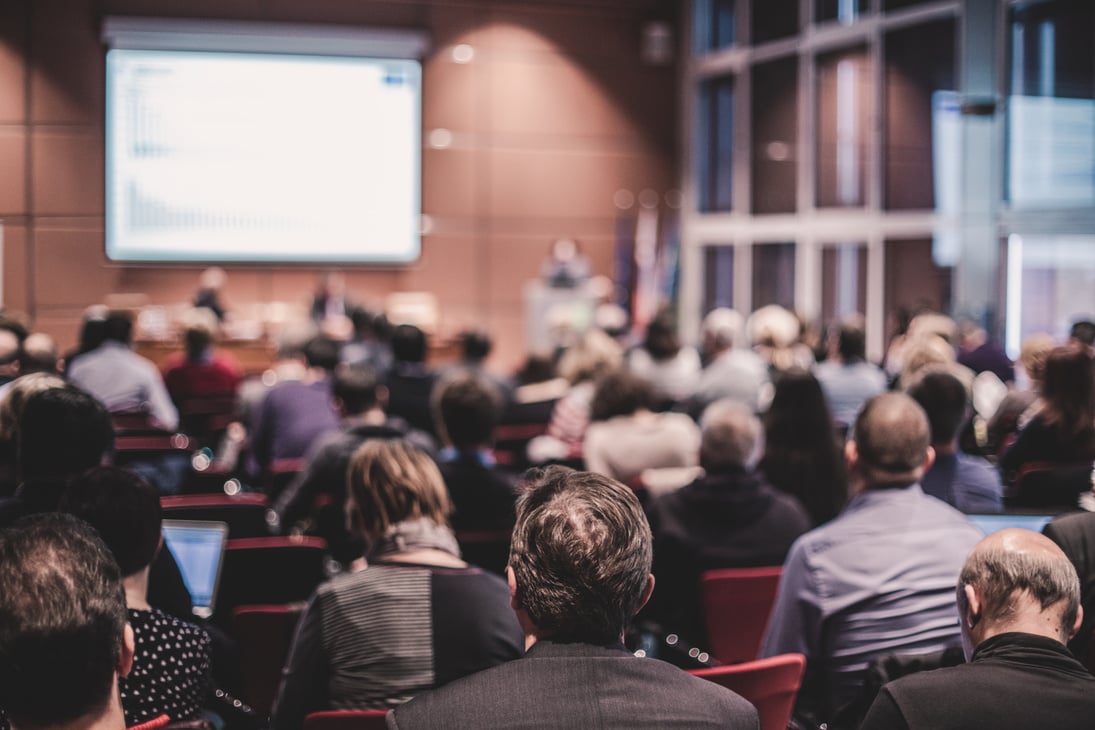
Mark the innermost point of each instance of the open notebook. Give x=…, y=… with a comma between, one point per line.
x=198, y=548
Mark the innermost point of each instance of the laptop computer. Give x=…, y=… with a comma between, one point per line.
x=989, y=524
x=198, y=548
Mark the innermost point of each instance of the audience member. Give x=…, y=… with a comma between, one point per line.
x=880, y=577
x=968, y=483
x=63, y=432
x=592, y=356
x=1082, y=333
x=930, y=353
x=369, y=346
x=416, y=618
x=64, y=640
x=1019, y=602
x=1022, y=398
x=39, y=355
x=11, y=410
x=170, y=673
x=732, y=370
x=475, y=348
x=410, y=382
x=538, y=383
x=802, y=454
x=979, y=354
x=846, y=377
x=1063, y=429
x=289, y=364
x=626, y=437
x=92, y=333
x=201, y=371
x=1075, y=534
x=122, y=380
x=728, y=518
x=776, y=336
x=360, y=401
x=295, y=412
x=579, y=570
x=467, y=408
x=663, y=361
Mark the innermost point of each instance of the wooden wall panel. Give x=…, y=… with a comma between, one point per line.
x=553, y=114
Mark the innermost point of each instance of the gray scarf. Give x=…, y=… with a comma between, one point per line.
x=420, y=534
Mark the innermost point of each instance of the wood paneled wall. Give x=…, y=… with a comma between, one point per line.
x=553, y=115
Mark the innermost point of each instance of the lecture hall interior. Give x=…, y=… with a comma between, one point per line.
x=830, y=156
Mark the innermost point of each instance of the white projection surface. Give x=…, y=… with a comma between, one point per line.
x=262, y=157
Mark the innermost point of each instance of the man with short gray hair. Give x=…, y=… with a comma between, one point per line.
x=732, y=369
x=1019, y=602
x=728, y=518
x=880, y=577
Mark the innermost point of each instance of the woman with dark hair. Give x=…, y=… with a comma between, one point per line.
x=662, y=360
x=413, y=615
x=801, y=454
x=628, y=437
x=1063, y=429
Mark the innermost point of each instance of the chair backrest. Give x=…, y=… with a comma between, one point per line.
x=489, y=549
x=770, y=684
x=266, y=570
x=245, y=514
x=346, y=720
x=736, y=604
x=1053, y=486
x=263, y=635
x=280, y=474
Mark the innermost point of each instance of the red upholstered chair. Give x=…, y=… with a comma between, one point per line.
x=346, y=720
x=736, y=604
x=279, y=475
x=245, y=514
x=264, y=635
x=265, y=570
x=1050, y=486
x=770, y=684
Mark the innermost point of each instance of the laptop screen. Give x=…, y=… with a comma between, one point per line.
x=198, y=548
x=989, y=524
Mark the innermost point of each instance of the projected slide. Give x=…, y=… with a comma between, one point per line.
x=262, y=157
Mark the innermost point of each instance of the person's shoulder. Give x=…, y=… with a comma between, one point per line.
x=977, y=471
x=680, y=421
x=469, y=697
x=789, y=509
x=182, y=633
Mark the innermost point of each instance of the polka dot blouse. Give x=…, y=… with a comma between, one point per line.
x=170, y=674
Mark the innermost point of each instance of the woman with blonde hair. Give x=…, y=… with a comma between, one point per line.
x=412, y=615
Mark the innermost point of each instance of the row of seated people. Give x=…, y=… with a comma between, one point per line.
x=416, y=617
x=602, y=381
x=283, y=421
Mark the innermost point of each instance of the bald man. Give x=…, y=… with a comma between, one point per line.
x=880, y=577
x=1019, y=603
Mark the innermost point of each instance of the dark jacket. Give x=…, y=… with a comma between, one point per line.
x=1014, y=681
x=726, y=520
x=577, y=686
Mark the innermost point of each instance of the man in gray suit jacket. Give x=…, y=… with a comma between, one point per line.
x=579, y=570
